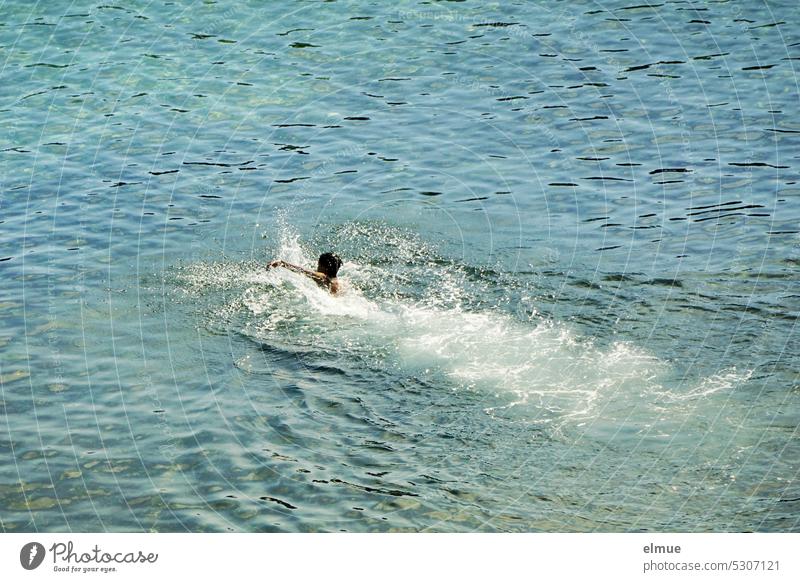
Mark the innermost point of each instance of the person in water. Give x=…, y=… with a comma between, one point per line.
x=325, y=275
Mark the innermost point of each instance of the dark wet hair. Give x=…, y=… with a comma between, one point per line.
x=329, y=264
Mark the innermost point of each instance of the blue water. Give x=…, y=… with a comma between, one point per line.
x=571, y=244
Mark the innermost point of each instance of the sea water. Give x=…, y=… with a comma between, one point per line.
x=570, y=242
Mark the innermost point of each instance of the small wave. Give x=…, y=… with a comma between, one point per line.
x=722, y=381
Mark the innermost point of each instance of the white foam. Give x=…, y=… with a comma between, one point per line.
x=543, y=364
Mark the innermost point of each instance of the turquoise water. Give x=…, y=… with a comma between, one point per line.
x=571, y=245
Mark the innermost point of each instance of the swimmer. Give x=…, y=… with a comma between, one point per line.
x=325, y=275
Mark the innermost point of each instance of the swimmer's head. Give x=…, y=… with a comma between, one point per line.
x=329, y=264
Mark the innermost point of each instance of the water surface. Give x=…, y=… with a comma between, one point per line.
x=570, y=236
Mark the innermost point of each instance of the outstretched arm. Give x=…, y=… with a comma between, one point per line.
x=314, y=275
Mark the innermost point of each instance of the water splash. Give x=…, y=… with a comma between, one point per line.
x=406, y=310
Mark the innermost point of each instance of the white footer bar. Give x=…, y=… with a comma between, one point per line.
x=387, y=557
